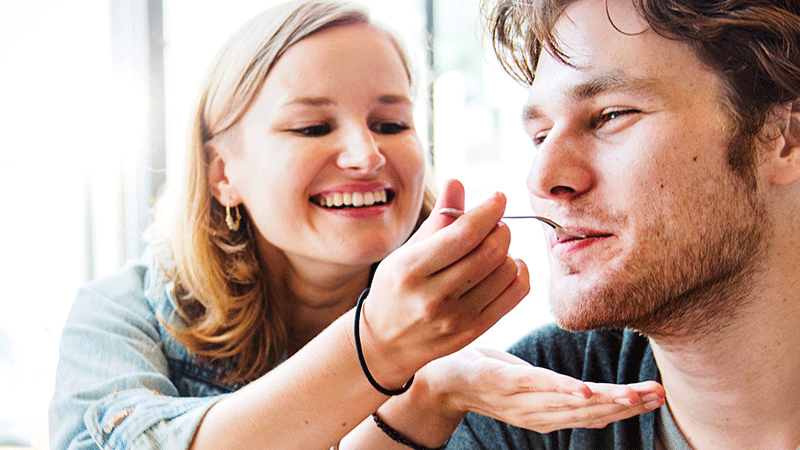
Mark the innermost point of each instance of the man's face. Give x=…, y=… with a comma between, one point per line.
x=631, y=150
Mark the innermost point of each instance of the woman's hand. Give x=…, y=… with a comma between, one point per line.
x=447, y=285
x=501, y=386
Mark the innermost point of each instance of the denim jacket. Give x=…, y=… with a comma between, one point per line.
x=122, y=381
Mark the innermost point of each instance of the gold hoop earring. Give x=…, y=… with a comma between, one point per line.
x=233, y=225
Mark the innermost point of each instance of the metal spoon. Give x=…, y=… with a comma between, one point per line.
x=560, y=231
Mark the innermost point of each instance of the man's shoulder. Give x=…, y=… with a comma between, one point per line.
x=607, y=355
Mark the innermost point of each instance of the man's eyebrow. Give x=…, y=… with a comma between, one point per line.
x=602, y=84
x=615, y=82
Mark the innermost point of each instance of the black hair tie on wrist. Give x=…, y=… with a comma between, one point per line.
x=360, y=353
x=399, y=438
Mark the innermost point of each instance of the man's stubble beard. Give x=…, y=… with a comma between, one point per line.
x=681, y=284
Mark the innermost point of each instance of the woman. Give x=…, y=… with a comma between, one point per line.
x=237, y=329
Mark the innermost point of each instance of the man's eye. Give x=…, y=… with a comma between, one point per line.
x=389, y=128
x=611, y=115
x=313, y=130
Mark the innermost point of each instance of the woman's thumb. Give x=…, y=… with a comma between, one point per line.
x=450, y=197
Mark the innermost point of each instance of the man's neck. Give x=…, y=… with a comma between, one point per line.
x=737, y=387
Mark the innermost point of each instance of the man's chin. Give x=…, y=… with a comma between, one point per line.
x=586, y=314
x=574, y=326
x=581, y=322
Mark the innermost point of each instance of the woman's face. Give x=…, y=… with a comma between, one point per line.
x=326, y=160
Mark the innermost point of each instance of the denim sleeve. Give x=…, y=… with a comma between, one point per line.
x=113, y=389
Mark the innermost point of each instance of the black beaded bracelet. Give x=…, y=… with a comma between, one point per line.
x=360, y=353
x=399, y=438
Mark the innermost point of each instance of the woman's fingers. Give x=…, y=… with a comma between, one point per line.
x=451, y=196
x=627, y=395
x=545, y=411
x=474, y=266
x=504, y=294
x=482, y=285
x=432, y=249
x=559, y=411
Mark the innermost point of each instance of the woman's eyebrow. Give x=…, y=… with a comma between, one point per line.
x=531, y=112
x=389, y=99
x=309, y=101
x=392, y=99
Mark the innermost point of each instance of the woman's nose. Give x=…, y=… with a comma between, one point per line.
x=360, y=151
x=560, y=171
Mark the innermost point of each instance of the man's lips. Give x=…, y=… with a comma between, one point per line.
x=589, y=233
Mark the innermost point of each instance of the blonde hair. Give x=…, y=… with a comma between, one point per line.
x=217, y=274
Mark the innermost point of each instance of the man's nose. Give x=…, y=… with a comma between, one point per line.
x=360, y=151
x=561, y=170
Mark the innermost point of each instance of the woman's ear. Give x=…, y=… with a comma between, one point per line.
x=787, y=160
x=221, y=188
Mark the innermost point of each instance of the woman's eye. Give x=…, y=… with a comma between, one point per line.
x=389, y=128
x=539, y=138
x=313, y=130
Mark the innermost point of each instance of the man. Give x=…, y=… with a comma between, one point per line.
x=668, y=132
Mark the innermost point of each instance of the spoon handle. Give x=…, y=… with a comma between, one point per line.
x=455, y=213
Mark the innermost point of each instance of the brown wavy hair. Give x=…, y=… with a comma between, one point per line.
x=217, y=276
x=752, y=45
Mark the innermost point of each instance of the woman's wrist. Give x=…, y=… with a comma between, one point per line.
x=383, y=360
x=400, y=438
x=425, y=414
x=362, y=359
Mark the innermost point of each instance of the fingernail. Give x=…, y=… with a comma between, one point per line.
x=624, y=401
x=582, y=394
x=651, y=397
x=451, y=212
x=654, y=404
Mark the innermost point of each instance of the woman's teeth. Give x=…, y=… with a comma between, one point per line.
x=351, y=199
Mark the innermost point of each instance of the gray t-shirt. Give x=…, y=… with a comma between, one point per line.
x=668, y=436
x=603, y=356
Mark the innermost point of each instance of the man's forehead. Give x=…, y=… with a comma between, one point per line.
x=600, y=58
x=583, y=30
x=622, y=15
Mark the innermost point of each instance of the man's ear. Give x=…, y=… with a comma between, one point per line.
x=221, y=188
x=787, y=160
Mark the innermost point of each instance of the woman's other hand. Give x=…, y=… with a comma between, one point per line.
x=499, y=385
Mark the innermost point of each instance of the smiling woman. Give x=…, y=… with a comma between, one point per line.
x=249, y=283
x=305, y=135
